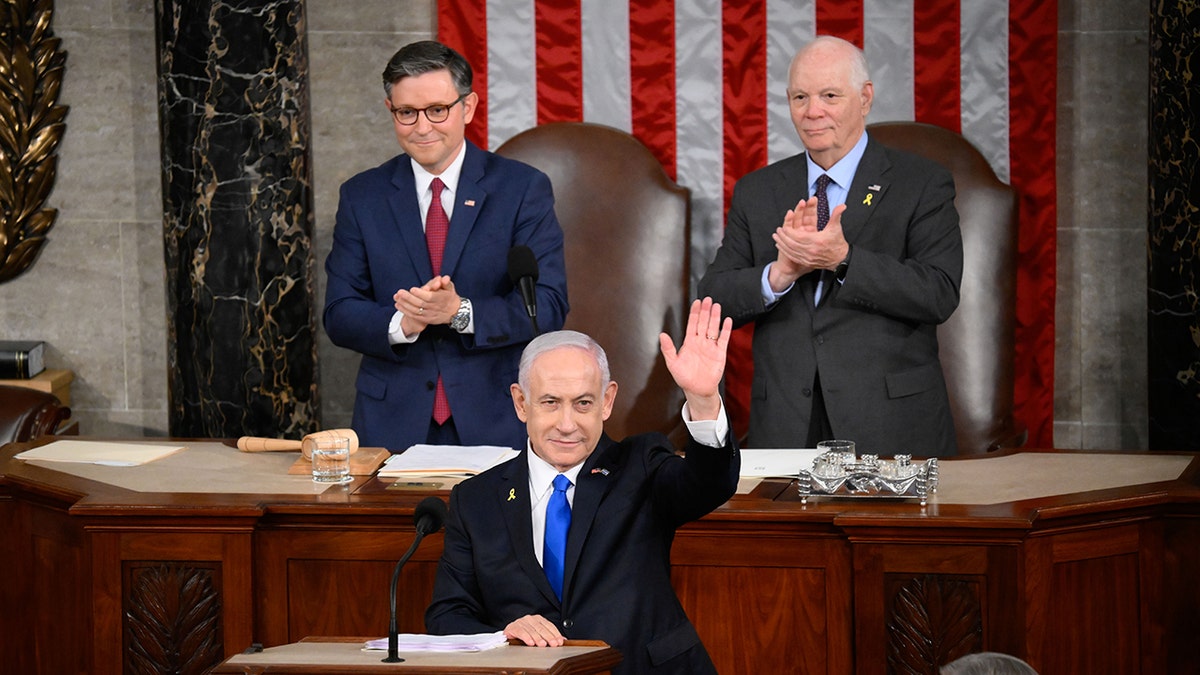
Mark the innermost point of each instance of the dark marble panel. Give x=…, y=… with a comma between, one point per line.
x=237, y=198
x=1174, y=289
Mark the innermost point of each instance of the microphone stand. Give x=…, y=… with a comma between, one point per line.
x=393, y=655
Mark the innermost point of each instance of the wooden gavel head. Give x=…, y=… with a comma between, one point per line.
x=307, y=443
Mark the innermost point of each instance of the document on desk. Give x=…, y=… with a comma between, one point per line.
x=420, y=642
x=105, y=453
x=776, y=462
x=445, y=460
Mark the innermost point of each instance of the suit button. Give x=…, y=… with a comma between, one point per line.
x=807, y=392
x=820, y=339
x=430, y=385
x=567, y=623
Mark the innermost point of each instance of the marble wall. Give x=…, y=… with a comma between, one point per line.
x=97, y=293
x=1100, y=390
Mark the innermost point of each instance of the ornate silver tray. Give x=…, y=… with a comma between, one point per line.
x=844, y=474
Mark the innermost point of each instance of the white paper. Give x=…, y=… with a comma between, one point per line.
x=777, y=462
x=100, y=452
x=445, y=460
x=420, y=642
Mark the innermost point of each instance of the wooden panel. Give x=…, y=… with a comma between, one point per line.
x=767, y=603
x=345, y=597
x=305, y=576
x=919, y=606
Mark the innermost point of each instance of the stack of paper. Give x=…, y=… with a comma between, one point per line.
x=413, y=642
x=98, y=452
x=445, y=460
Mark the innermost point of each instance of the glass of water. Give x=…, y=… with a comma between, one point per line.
x=331, y=460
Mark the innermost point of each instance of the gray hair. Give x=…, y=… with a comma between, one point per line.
x=988, y=663
x=557, y=340
x=427, y=56
x=859, y=72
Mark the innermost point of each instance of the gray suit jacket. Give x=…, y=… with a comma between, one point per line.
x=874, y=337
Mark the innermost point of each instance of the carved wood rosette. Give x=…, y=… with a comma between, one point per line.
x=172, y=618
x=31, y=128
x=933, y=620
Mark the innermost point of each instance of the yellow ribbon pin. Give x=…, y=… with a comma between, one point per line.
x=512, y=494
x=867, y=199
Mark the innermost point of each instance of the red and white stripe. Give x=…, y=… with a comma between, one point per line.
x=702, y=84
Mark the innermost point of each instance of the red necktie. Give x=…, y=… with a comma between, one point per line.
x=436, y=225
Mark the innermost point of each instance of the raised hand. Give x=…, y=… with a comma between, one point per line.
x=699, y=364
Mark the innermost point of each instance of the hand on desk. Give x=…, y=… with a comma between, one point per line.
x=535, y=631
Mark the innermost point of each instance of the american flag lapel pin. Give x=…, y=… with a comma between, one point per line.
x=602, y=472
x=469, y=202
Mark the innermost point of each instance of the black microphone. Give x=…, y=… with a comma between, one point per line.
x=523, y=273
x=428, y=517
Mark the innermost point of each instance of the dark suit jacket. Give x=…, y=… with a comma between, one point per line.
x=874, y=337
x=379, y=247
x=629, y=499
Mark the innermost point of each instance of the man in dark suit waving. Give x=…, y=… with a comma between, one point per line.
x=418, y=274
x=511, y=563
x=846, y=258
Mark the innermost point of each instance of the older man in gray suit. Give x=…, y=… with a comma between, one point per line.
x=846, y=258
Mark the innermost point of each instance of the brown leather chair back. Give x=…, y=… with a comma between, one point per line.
x=625, y=224
x=27, y=413
x=977, y=344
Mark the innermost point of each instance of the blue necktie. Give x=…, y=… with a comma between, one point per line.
x=558, y=521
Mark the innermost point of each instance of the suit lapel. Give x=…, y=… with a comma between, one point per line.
x=512, y=494
x=468, y=202
x=406, y=214
x=866, y=190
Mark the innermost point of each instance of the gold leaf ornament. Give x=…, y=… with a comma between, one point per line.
x=31, y=129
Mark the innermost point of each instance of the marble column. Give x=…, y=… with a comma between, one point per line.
x=237, y=217
x=1174, y=249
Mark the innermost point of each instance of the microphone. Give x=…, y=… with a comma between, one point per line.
x=523, y=273
x=428, y=518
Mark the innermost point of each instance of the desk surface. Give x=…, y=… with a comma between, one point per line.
x=207, y=472
x=318, y=655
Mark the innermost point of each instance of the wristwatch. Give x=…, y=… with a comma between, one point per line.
x=840, y=271
x=462, y=317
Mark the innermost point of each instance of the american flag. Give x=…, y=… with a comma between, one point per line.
x=702, y=84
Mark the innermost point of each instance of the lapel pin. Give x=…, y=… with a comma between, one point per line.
x=867, y=199
x=874, y=188
x=469, y=202
x=602, y=472
x=512, y=494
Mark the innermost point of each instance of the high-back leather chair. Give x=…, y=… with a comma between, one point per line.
x=27, y=413
x=625, y=225
x=977, y=344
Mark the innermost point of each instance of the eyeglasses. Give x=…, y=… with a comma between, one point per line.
x=434, y=113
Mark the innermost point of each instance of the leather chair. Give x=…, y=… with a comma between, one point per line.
x=977, y=344
x=626, y=228
x=26, y=414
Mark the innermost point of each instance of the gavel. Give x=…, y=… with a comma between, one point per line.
x=304, y=445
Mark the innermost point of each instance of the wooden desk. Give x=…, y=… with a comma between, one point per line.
x=110, y=579
x=325, y=655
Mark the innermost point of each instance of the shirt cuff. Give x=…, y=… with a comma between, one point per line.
x=711, y=433
x=396, y=334
x=769, y=295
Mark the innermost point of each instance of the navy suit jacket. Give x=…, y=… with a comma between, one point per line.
x=874, y=337
x=379, y=247
x=629, y=499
